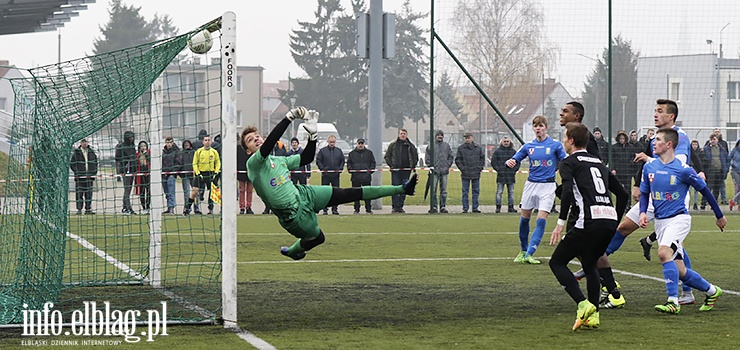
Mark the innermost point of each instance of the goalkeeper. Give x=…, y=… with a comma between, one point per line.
x=296, y=205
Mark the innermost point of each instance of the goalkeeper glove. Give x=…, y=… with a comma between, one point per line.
x=310, y=125
x=296, y=113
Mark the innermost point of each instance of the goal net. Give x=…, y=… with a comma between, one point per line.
x=95, y=227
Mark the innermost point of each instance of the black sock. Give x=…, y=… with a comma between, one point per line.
x=607, y=280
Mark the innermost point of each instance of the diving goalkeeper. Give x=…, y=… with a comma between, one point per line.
x=296, y=205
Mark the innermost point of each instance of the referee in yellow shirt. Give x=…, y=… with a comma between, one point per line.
x=206, y=167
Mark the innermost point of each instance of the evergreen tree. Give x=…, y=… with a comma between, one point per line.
x=446, y=92
x=405, y=83
x=336, y=79
x=125, y=28
x=624, y=83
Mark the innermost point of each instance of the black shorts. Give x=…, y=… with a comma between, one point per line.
x=588, y=243
x=205, y=182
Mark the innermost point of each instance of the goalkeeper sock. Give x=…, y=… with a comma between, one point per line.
x=373, y=192
x=295, y=249
x=615, y=243
x=539, y=231
x=524, y=233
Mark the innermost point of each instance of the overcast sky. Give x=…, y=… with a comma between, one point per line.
x=577, y=27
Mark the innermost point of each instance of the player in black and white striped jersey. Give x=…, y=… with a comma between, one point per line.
x=586, y=185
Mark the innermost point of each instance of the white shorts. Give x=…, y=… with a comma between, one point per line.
x=672, y=231
x=540, y=195
x=634, y=213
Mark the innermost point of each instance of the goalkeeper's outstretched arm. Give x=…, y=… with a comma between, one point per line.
x=279, y=130
x=310, y=126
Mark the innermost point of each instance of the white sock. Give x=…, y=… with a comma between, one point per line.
x=712, y=289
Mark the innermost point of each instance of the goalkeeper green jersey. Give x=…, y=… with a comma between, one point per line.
x=271, y=179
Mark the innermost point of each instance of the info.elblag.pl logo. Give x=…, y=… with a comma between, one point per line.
x=96, y=320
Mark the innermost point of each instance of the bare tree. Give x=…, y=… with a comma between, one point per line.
x=504, y=40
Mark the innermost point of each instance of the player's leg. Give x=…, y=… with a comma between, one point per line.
x=687, y=294
x=339, y=195
x=577, y=243
x=528, y=203
x=693, y=279
x=546, y=197
x=628, y=225
x=304, y=225
x=669, y=243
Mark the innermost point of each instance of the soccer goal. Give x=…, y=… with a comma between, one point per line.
x=59, y=245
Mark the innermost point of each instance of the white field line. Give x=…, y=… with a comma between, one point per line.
x=101, y=253
x=216, y=235
x=340, y=261
x=133, y=273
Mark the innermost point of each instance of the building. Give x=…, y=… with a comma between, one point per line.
x=705, y=87
x=192, y=100
x=7, y=101
x=519, y=105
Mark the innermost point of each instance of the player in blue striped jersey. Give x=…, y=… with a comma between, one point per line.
x=666, y=182
x=544, y=154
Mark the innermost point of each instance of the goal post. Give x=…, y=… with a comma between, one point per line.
x=53, y=251
x=228, y=193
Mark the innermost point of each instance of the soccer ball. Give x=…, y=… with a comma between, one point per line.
x=201, y=42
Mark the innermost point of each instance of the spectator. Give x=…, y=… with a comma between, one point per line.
x=717, y=167
x=505, y=177
x=401, y=156
x=245, y=186
x=622, y=165
x=84, y=165
x=126, y=167
x=603, y=145
x=301, y=175
x=361, y=166
x=645, y=139
x=330, y=161
x=698, y=153
x=171, y=165
x=440, y=171
x=198, y=143
x=186, y=172
x=470, y=159
x=722, y=143
x=143, y=180
x=734, y=173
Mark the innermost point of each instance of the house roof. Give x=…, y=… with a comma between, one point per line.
x=4, y=67
x=517, y=104
x=26, y=16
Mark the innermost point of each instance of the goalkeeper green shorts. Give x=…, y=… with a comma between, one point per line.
x=302, y=222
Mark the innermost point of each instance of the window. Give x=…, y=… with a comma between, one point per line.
x=187, y=83
x=238, y=119
x=733, y=90
x=2, y=104
x=674, y=93
x=238, y=83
